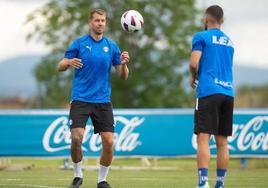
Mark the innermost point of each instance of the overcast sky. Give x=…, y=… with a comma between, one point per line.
x=246, y=22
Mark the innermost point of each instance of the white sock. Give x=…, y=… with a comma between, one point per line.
x=103, y=172
x=78, y=169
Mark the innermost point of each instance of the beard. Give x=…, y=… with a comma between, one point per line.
x=205, y=27
x=97, y=32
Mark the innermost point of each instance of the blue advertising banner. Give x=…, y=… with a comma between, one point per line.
x=140, y=132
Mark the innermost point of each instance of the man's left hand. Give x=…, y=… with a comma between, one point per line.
x=124, y=57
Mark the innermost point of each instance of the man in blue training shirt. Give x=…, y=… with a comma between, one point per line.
x=211, y=69
x=92, y=57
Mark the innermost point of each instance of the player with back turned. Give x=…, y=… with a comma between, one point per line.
x=211, y=69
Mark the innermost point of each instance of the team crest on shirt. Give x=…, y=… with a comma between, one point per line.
x=105, y=49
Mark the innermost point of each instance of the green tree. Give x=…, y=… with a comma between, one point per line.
x=252, y=97
x=157, y=53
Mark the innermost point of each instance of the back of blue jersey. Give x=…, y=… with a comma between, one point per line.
x=215, y=75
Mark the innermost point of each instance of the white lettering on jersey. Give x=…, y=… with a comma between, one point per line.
x=223, y=83
x=222, y=41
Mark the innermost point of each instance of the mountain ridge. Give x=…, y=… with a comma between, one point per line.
x=17, y=76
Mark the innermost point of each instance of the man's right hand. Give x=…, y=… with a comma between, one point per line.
x=75, y=63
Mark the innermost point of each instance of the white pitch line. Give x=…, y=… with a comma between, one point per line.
x=13, y=179
x=144, y=179
x=30, y=185
x=63, y=179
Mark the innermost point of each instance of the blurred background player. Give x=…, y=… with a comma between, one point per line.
x=92, y=57
x=211, y=69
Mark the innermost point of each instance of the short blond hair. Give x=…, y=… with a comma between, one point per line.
x=98, y=11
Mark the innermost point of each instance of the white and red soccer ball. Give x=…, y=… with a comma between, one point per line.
x=132, y=21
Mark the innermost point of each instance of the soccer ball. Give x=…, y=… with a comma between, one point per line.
x=132, y=21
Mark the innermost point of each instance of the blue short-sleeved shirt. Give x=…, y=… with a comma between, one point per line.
x=215, y=74
x=91, y=83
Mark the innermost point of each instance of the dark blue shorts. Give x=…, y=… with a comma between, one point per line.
x=214, y=115
x=101, y=115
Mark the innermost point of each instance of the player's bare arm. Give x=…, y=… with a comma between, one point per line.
x=122, y=70
x=65, y=63
x=194, y=61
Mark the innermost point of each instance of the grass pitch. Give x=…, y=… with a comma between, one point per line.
x=46, y=173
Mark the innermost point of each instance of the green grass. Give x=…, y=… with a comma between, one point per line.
x=46, y=173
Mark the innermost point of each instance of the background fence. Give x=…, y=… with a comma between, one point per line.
x=138, y=132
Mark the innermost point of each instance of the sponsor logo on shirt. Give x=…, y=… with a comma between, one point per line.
x=88, y=47
x=222, y=41
x=223, y=83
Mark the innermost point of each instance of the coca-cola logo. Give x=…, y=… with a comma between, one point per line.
x=249, y=136
x=58, y=137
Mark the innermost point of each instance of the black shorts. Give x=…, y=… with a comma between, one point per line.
x=101, y=115
x=214, y=115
